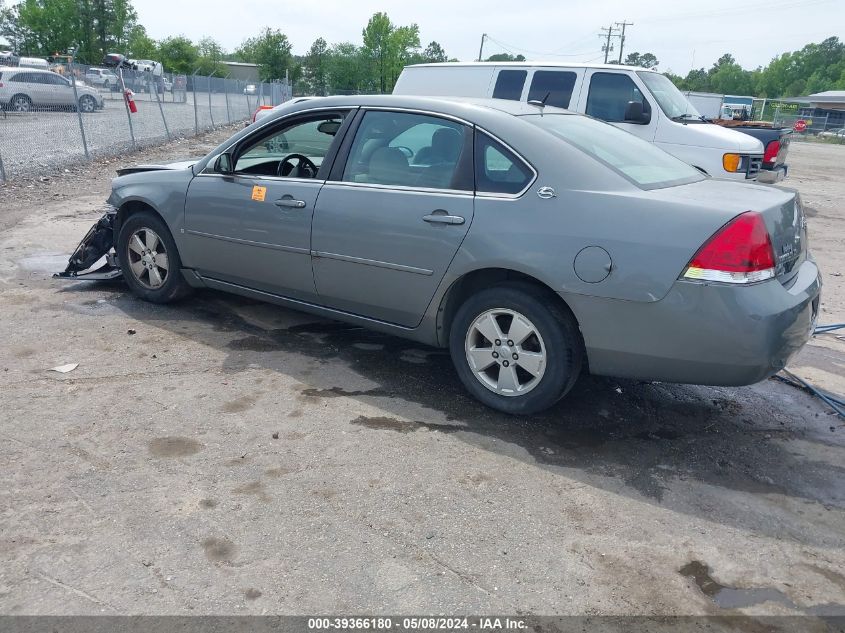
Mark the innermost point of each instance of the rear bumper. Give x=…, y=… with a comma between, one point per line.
x=773, y=175
x=700, y=333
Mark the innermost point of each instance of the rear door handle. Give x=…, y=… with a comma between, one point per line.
x=290, y=203
x=443, y=218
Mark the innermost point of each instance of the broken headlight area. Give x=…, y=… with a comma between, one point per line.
x=97, y=244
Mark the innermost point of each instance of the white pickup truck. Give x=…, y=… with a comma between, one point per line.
x=640, y=101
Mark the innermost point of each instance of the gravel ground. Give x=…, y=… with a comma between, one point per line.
x=32, y=142
x=227, y=456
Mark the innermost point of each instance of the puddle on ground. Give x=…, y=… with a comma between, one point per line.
x=173, y=446
x=44, y=262
x=734, y=598
x=219, y=550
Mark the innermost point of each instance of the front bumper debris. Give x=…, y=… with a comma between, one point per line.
x=97, y=243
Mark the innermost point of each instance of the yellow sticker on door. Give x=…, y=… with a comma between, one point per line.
x=258, y=193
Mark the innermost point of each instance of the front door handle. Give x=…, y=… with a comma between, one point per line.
x=441, y=217
x=289, y=202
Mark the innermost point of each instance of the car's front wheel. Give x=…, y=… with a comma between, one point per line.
x=515, y=348
x=149, y=259
x=87, y=104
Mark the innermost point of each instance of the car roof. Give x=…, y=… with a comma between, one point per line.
x=529, y=64
x=28, y=69
x=455, y=106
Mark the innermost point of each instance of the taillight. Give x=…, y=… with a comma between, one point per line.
x=739, y=253
x=772, y=150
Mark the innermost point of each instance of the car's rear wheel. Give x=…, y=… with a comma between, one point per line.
x=87, y=104
x=149, y=259
x=515, y=348
x=20, y=103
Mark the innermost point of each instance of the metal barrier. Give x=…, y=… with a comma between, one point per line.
x=807, y=125
x=55, y=126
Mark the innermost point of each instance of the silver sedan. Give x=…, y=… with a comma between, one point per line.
x=531, y=242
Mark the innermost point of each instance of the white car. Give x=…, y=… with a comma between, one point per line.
x=102, y=78
x=28, y=89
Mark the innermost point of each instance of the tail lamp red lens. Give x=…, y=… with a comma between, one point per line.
x=772, y=150
x=739, y=253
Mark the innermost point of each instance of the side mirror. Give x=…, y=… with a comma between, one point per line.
x=634, y=113
x=223, y=164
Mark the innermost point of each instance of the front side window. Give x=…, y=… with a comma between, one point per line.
x=296, y=150
x=609, y=96
x=669, y=98
x=509, y=84
x=497, y=169
x=552, y=87
x=639, y=161
x=409, y=150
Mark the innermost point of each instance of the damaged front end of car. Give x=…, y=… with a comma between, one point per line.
x=96, y=246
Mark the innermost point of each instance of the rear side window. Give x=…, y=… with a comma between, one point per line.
x=509, y=84
x=497, y=169
x=22, y=78
x=553, y=86
x=610, y=93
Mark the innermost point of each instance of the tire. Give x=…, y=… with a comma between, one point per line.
x=141, y=261
x=87, y=104
x=20, y=103
x=551, y=351
x=106, y=85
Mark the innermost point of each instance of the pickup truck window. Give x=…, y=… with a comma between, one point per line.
x=645, y=165
x=557, y=85
x=610, y=93
x=669, y=98
x=509, y=84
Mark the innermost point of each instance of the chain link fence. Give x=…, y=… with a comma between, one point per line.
x=73, y=113
x=809, y=124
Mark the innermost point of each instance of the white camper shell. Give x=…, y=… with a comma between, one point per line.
x=640, y=101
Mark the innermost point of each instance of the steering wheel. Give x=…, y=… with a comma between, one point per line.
x=409, y=153
x=305, y=167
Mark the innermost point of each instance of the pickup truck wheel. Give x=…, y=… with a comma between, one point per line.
x=515, y=348
x=87, y=104
x=149, y=259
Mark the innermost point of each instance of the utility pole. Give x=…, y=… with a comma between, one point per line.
x=606, y=48
x=481, y=48
x=622, y=37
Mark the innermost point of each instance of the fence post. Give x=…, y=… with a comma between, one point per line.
x=160, y=108
x=194, y=88
x=126, y=105
x=2, y=170
x=247, y=101
x=78, y=109
x=210, y=113
x=226, y=92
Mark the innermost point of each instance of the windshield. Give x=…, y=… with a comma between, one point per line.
x=671, y=100
x=639, y=161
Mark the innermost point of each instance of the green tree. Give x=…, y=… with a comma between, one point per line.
x=140, y=45
x=728, y=77
x=378, y=47
x=645, y=60
x=271, y=50
x=404, y=50
x=316, y=66
x=434, y=53
x=210, y=57
x=178, y=55
x=505, y=57
x=348, y=71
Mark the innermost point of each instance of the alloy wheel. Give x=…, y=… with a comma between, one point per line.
x=505, y=352
x=21, y=104
x=148, y=259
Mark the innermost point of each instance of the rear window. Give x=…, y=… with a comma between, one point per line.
x=639, y=161
x=509, y=84
x=553, y=87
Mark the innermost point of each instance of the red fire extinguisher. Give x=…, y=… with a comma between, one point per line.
x=130, y=100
